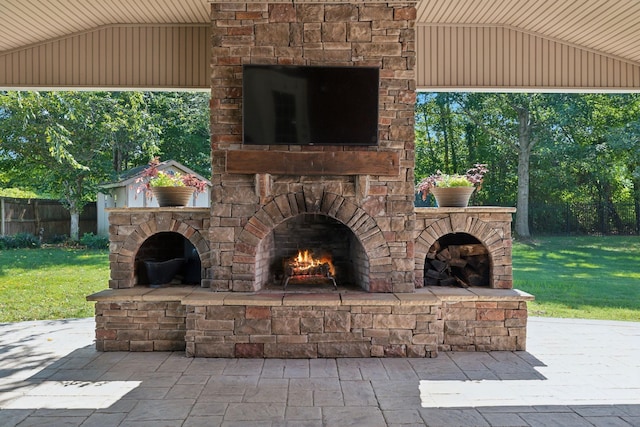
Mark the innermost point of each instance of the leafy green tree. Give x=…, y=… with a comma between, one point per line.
x=184, y=120
x=599, y=137
x=448, y=140
x=440, y=135
x=520, y=121
x=66, y=143
x=544, y=149
x=129, y=129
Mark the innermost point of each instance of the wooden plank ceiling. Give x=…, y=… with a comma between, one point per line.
x=607, y=27
x=29, y=22
x=611, y=27
x=605, y=32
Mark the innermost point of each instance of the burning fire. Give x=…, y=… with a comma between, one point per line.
x=305, y=264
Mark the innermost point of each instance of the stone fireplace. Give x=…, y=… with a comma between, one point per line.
x=355, y=203
x=369, y=190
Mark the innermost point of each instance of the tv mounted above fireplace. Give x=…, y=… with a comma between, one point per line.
x=309, y=105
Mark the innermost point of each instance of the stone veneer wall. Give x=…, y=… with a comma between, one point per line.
x=129, y=228
x=312, y=331
x=246, y=206
x=140, y=325
x=484, y=325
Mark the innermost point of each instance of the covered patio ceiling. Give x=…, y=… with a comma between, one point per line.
x=607, y=31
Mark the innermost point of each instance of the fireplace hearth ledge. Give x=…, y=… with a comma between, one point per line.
x=196, y=294
x=275, y=324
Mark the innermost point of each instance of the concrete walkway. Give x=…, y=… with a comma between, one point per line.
x=575, y=373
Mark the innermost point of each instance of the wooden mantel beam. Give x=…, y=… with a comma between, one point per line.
x=314, y=163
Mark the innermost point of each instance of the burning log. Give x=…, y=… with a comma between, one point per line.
x=457, y=265
x=311, y=270
x=305, y=267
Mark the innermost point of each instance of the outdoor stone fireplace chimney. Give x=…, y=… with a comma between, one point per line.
x=367, y=189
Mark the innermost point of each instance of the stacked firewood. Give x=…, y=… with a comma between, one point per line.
x=457, y=265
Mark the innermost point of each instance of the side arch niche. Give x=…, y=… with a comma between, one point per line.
x=136, y=235
x=168, y=258
x=457, y=259
x=477, y=229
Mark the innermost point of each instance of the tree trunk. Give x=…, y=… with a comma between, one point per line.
x=75, y=206
x=524, y=154
x=636, y=203
x=74, y=232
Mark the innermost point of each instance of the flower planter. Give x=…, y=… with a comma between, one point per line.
x=455, y=197
x=173, y=196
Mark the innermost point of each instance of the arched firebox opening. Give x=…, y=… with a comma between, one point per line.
x=167, y=258
x=280, y=262
x=457, y=259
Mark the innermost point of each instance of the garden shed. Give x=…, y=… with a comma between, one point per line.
x=125, y=193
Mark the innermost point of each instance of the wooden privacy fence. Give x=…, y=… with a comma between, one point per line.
x=48, y=218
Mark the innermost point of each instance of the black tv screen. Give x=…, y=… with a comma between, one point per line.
x=308, y=105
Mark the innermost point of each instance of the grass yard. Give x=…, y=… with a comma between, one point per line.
x=50, y=283
x=583, y=277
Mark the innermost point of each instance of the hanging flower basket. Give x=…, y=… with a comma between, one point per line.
x=457, y=197
x=173, y=196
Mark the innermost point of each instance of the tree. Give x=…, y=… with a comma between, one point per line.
x=440, y=139
x=520, y=121
x=449, y=141
x=184, y=120
x=66, y=143
x=129, y=128
x=601, y=134
x=542, y=149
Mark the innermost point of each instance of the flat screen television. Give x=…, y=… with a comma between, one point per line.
x=310, y=105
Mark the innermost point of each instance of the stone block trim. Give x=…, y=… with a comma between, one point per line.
x=490, y=225
x=129, y=228
x=309, y=331
x=484, y=326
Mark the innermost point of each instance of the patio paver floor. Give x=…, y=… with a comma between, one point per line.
x=574, y=373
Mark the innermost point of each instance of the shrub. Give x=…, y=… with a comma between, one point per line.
x=20, y=240
x=57, y=239
x=91, y=241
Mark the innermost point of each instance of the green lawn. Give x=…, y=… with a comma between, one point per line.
x=50, y=283
x=585, y=277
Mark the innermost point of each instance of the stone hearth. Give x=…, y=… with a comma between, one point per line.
x=310, y=325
